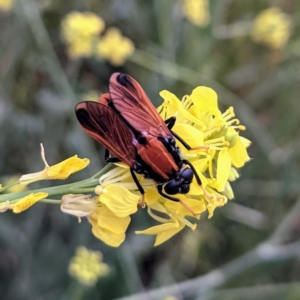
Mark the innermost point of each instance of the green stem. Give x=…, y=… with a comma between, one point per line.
x=83, y=186
x=103, y=171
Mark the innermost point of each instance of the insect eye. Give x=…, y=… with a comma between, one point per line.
x=187, y=174
x=172, y=188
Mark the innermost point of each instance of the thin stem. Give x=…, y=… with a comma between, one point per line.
x=102, y=171
x=84, y=186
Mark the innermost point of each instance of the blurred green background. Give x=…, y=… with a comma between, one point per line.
x=250, y=248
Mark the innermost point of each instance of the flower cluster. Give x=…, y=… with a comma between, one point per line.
x=272, y=27
x=217, y=150
x=81, y=33
x=197, y=12
x=86, y=266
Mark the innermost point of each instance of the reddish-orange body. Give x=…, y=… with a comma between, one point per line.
x=155, y=155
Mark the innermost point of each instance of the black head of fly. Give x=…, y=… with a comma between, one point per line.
x=181, y=183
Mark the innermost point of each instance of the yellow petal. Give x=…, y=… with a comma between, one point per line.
x=61, y=170
x=108, y=237
x=206, y=100
x=26, y=202
x=223, y=169
x=197, y=206
x=67, y=167
x=228, y=192
x=172, y=100
x=238, y=153
x=119, y=200
x=195, y=188
x=191, y=135
x=151, y=196
x=245, y=142
x=233, y=174
x=159, y=228
x=164, y=231
x=165, y=235
x=106, y=219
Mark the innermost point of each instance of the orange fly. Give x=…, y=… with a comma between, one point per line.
x=128, y=125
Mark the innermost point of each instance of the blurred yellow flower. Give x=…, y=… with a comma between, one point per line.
x=86, y=266
x=26, y=202
x=217, y=150
x=83, y=47
x=6, y=5
x=61, y=170
x=114, y=47
x=272, y=27
x=197, y=12
x=80, y=32
x=77, y=25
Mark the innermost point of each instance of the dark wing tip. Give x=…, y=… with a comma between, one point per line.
x=82, y=115
x=123, y=79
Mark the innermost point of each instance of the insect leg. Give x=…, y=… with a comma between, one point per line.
x=170, y=123
x=110, y=159
x=198, y=179
x=140, y=188
x=159, y=189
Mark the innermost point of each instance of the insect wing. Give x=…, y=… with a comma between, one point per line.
x=131, y=101
x=101, y=123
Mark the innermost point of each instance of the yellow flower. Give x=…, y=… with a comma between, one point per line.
x=86, y=266
x=6, y=5
x=197, y=12
x=80, y=32
x=114, y=47
x=82, y=47
x=27, y=201
x=61, y=170
x=77, y=25
x=272, y=27
x=217, y=150
x=109, y=212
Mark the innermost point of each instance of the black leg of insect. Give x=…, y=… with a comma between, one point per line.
x=160, y=191
x=110, y=159
x=170, y=122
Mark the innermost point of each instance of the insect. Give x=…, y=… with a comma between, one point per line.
x=128, y=125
